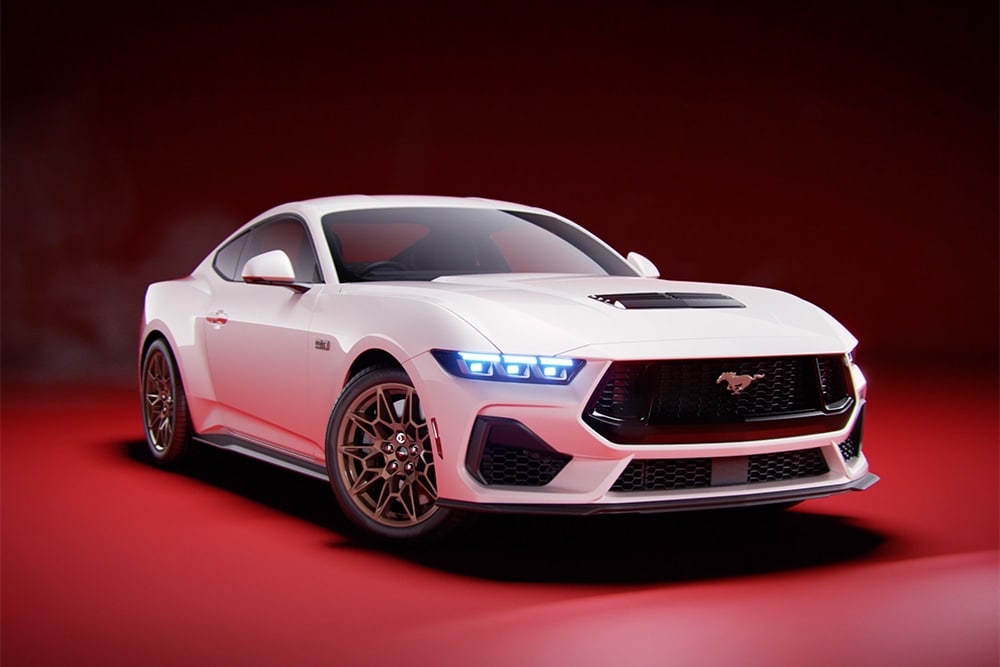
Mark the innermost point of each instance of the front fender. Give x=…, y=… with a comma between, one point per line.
x=400, y=327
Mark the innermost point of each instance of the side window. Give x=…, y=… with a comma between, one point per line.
x=290, y=236
x=227, y=260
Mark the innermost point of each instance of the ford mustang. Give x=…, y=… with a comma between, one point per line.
x=433, y=356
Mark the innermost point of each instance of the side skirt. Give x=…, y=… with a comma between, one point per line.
x=266, y=454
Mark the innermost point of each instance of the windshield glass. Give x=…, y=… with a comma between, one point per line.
x=426, y=243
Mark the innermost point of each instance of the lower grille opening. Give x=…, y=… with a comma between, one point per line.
x=786, y=465
x=665, y=474
x=674, y=474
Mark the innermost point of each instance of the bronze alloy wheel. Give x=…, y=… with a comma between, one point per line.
x=380, y=460
x=164, y=407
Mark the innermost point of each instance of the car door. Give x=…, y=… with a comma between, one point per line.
x=257, y=337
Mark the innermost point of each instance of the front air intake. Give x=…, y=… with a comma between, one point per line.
x=504, y=452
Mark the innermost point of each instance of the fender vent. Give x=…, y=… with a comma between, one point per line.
x=646, y=300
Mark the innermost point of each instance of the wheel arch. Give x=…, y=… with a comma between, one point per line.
x=192, y=366
x=374, y=356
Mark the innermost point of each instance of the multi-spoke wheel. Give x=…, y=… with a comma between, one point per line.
x=164, y=406
x=379, y=458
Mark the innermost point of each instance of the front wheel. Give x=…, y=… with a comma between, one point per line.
x=380, y=461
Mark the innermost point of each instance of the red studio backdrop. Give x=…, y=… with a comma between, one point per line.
x=843, y=151
x=846, y=152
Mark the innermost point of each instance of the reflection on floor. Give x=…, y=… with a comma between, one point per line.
x=107, y=560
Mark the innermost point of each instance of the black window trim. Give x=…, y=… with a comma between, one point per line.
x=249, y=230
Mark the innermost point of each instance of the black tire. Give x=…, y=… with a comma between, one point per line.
x=380, y=459
x=165, y=415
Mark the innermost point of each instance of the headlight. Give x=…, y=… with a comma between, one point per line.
x=508, y=367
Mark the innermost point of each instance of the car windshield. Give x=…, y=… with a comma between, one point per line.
x=426, y=243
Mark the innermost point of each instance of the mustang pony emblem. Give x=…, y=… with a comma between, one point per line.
x=737, y=383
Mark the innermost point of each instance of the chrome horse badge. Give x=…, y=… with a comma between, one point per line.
x=737, y=383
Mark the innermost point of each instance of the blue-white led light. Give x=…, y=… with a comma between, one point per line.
x=509, y=367
x=472, y=356
x=477, y=365
x=516, y=359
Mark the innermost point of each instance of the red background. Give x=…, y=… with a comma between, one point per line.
x=846, y=152
x=843, y=151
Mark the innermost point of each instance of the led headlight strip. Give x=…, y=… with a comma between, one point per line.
x=509, y=367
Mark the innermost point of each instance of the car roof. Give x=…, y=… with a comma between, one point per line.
x=322, y=205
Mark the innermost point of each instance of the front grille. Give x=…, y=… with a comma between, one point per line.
x=665, y=474
x=832, y=380
x=620, y=396
x=785, y=465
x=675, y=474
x=513, y=466
x=638, y=398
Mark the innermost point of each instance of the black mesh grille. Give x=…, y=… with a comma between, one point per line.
x=851, y=448
x=705, y=391
x=831, y=379
x=513, y=466
x=664, y=474
x=786, y=465
x=621, y=397
x=687, y=392
x=672, y=474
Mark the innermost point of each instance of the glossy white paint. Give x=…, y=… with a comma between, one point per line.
x=267, y=363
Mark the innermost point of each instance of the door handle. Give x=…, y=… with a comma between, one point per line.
x=218, y=318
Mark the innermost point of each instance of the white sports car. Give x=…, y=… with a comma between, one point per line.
x=431, y=356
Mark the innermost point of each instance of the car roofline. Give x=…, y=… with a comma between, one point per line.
x=321, y=206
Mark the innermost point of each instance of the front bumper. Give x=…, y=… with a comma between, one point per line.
x=586, y=484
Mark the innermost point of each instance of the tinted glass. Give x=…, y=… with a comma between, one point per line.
x=290, y=236
x=426, y=243
x=227, y=260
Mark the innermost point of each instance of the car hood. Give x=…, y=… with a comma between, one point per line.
x=551, y=315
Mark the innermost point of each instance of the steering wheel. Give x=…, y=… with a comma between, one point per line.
x=375, y=266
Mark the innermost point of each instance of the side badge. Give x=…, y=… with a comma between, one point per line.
x=323, y=344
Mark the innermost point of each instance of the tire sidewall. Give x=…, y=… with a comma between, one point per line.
x=360, y=383
x=180, y=440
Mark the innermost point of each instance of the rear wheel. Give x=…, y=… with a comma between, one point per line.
x=164, y=407
x=380, y=461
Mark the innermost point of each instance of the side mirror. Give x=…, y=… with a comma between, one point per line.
x=271, y=268
x=643, y=265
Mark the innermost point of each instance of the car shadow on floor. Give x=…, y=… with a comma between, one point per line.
x=634, y=549
x=619, y=549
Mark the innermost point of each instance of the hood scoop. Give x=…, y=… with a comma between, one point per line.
x=647, y=300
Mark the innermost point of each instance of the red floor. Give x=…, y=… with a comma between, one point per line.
x=109, y=561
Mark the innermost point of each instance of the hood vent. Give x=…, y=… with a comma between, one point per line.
x=643, y=300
